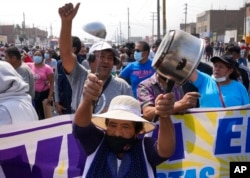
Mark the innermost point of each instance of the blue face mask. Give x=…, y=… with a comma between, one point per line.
x=138, y=56
x=37, y=59
x=46, y=56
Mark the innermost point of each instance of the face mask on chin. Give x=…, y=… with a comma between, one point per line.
x=219, y=79
x=119, y=144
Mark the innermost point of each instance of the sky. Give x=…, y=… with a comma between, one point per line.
x=112, y=13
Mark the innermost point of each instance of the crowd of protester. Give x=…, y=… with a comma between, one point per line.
x=133, y=65
x=86, y=81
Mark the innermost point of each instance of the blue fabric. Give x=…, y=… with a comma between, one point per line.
x=64, y=89
x=136, y=72
x=132, y=165
x=91, y=137
x=242, y=61
x=234, y=94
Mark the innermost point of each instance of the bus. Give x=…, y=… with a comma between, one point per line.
x=54, y=43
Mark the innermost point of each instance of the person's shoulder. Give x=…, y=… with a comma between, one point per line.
x=236, y=83
x=30, y=64
x=119, y=80
x=119, y=83
x=149, y=81
x=130, y=65
x=206, y=68
x=47, y=66
x=54, y=60
x=119, y=86
x=24, y=67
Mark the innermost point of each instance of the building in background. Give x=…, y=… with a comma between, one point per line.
x=214, y=24
x=24, y=36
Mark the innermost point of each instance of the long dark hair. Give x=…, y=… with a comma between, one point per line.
x=235, y=74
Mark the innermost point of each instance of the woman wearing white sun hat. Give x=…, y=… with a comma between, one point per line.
x=111, y=141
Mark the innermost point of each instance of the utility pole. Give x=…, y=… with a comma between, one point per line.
x=158, y=19
x=245, y=21
x=51, y=31
x=164, y=31
x=185, y=16
x=153, y=24
x=128, y=27
x=23, y=25
x=23, y=34
x=120, y=33
x=117, y=36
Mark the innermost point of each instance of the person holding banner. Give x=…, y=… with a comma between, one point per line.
x=222, y=88
x=111, y=140
x=150, y=88
x=15, y=102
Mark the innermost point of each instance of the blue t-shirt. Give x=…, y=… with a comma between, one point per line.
x=136, y=72
x=234, y=93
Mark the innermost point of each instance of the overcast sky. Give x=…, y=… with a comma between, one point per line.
x=112, y=13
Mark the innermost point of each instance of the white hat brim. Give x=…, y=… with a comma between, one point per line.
x=99, y=46
x=99, y=119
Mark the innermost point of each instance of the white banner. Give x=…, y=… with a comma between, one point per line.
x=206, y=142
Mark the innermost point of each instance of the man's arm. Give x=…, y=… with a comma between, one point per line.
x=51, y=89
x=193, y=76
x=166, y=135
x=91, y=91
x=67, y=14
x=189, y=100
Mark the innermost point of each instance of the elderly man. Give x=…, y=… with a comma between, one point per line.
x=116, y=150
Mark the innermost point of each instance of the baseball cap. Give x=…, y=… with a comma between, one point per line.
x=102, y=45
x=226, y=58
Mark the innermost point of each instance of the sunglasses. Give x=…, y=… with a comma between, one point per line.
x=137, y=50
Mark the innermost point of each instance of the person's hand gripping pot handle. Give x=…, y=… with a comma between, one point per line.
x=91, y=91
x=164, y=105
x=92, y=88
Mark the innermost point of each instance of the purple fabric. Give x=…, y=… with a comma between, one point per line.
x=149, y=89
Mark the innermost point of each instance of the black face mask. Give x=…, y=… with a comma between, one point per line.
x=119, y=144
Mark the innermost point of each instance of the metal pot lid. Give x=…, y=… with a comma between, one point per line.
x=163, y=49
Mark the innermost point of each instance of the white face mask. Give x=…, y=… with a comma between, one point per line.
x=220, y=79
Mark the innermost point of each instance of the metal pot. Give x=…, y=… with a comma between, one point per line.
x=96, y=29
x=178, y=55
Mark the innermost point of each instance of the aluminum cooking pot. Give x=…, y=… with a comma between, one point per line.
x=178, y=56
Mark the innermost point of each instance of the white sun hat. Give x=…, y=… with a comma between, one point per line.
x=123, y=107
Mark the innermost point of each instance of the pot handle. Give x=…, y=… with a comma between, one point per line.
x=170, y=86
